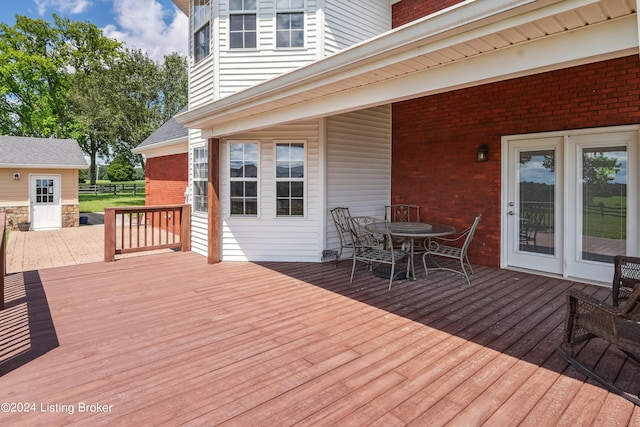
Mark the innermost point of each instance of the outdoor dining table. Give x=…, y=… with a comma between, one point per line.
x=411, y=231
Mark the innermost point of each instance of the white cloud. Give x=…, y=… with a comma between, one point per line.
x=140, y=24
x=65, y=6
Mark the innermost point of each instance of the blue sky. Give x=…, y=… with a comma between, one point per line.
x=155, y=26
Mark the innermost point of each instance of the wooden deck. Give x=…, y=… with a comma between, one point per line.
x=175, y=340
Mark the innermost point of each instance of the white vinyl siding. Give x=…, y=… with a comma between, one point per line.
x=348, y=23
x=334, y=27
x=268, y=237
x=199, y=220
x=201, y=82
x=242, y=68
x=358, y=165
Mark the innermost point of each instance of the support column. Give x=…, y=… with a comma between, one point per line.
x=213, y=202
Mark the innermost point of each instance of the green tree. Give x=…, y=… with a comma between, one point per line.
x=173, y=85
x=33, y=79
x=598, y=171
x=148, y=94
x=120, y=170
x=68, y=80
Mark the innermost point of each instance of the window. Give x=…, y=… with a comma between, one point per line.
x=290, y=23
x=243, y=178
x=200, y=178
x=201, y=29
x=290, y=160
x=242, y=24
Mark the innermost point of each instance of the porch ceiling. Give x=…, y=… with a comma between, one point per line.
x=471, y=43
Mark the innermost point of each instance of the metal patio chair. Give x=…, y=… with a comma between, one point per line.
x=626, y=277
x=370, y=248
x=588, y=318
x=454, y=248
x=402, y=213
x=531, y=218
x=342, y=220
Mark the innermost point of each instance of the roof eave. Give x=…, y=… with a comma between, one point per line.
x=457, y=19
x=183, y=5
x=161, y=144
x=41, y=166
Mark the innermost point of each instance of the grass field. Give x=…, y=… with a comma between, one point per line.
x=91, y=203
x=608, y=219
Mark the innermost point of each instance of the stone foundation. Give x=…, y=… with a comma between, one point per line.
x=18, y=214
x=70, y=216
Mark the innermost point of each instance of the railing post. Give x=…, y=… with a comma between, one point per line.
x=185, y=228
x=3, y=258
x=109, y=234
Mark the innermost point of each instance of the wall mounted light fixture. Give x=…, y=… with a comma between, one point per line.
x=16, y=175
x=483, y=153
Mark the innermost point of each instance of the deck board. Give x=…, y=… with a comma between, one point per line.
x=168, y=339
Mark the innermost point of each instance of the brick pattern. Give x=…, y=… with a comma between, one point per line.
x=441, y=134
x=166, y=178
x=409, y=10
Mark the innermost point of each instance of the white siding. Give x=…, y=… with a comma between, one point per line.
x=335, y=26
x=199, y=221
x=348, y=23
x=358, y=165
x=267, y=237
x=201, y=82
x=243, y=68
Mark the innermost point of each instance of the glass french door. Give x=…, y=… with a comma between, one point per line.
x=572, y=203
x=534, y=204
x=602, y=203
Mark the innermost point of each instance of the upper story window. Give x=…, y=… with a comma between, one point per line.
x=290, y=23
x=243, y=178
x=201, y=29
x=290, y=165
x=242, y=24
x=200, y=178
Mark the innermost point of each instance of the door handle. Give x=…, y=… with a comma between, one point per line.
x=511, y=213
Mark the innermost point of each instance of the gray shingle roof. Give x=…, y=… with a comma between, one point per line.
x=40, y=152
x=167, y=132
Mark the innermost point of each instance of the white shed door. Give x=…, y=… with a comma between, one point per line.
x=46, y=211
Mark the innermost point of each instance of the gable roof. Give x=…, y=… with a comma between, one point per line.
x=40, y=153
x=471, y=43
x=170, y=134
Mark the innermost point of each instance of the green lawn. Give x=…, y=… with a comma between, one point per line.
x=606, y=217
x=93, y=203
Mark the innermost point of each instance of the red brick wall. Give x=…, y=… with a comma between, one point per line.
x=410, y=10
x=166, y=179
x=436, y=138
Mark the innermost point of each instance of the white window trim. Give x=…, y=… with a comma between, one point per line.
x=305, y=193
x=195, y=29
x=255, y=11
x=193, y=179
x=231, y=179
x=304, y=29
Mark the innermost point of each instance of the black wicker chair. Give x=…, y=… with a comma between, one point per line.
x=626, y=277
x=588, y=318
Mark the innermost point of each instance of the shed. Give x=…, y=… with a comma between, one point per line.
x=39, y=181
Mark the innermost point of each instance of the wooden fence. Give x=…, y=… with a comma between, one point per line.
x=3, y=257
x=114, y=189
x=146, y=228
